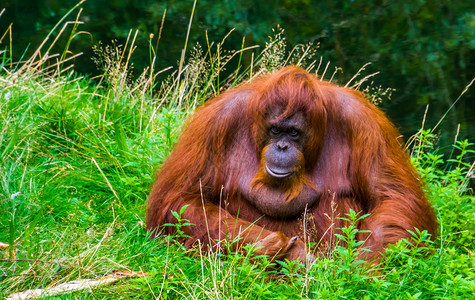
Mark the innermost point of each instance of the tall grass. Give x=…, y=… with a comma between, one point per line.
x=78, y=158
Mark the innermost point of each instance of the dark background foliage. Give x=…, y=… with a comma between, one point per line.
x=425, y=49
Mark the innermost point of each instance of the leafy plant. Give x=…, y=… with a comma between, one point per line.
x=180, y=222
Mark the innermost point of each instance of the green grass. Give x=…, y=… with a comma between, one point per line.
x=77, y=162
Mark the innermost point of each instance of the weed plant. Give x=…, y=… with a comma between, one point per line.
x=78, y=158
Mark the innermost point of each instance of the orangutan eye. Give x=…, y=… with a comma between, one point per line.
x=294, y=133
x=275, y=130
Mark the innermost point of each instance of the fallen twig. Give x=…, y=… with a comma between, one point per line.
x=75, y=285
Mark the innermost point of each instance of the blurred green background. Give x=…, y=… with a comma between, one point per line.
x=423, y=49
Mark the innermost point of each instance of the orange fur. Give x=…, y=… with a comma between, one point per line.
x=352, y=160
